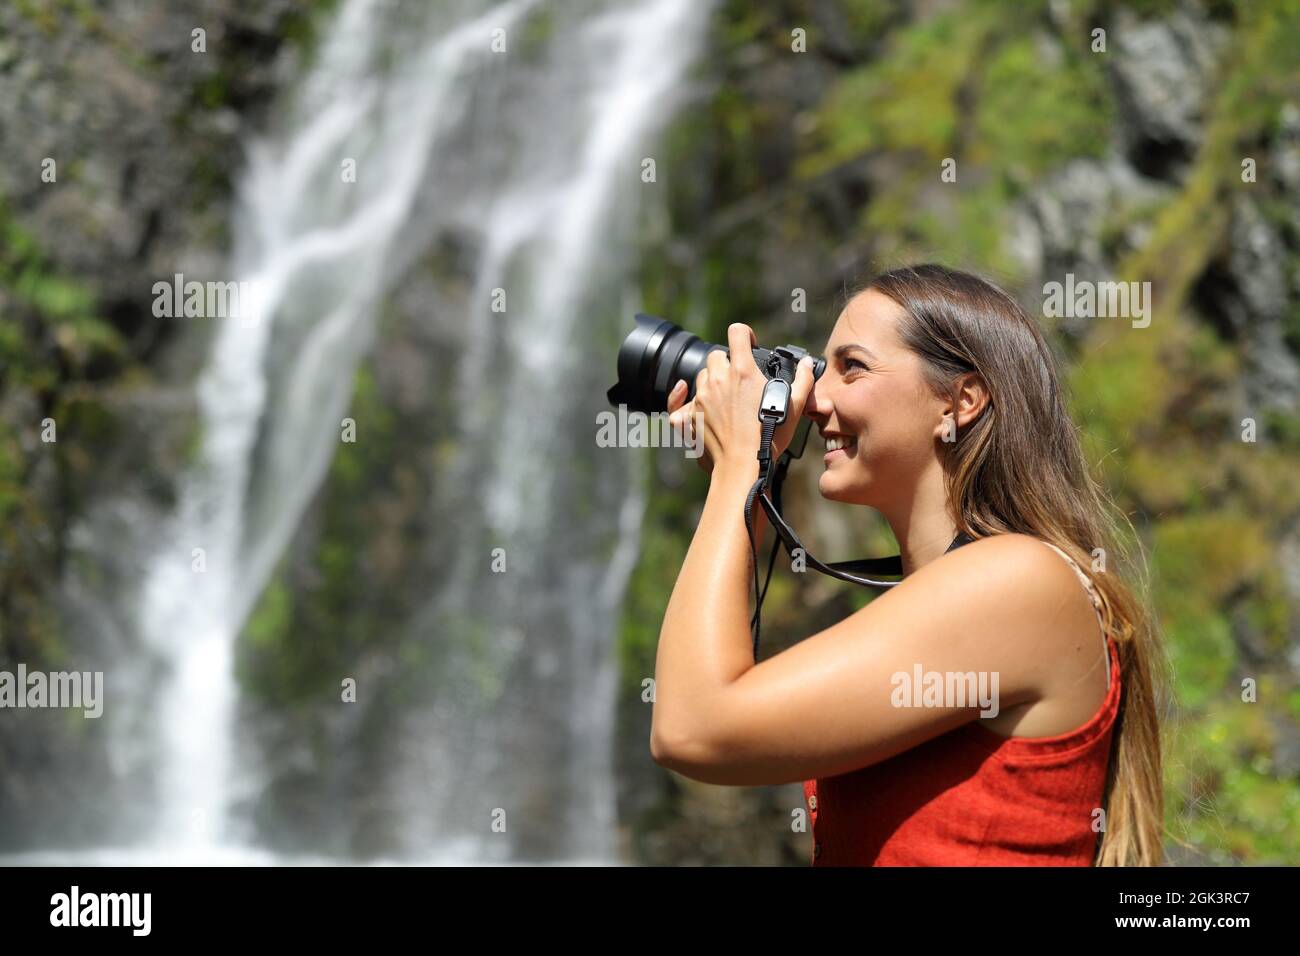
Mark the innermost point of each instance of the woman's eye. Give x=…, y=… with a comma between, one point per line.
x=850, y=363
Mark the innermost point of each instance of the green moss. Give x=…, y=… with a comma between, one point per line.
x=43, y=16
x=1120, y=389
x=268, y=664
x=743, y=23
x=1267, y=611
x=1202, y=652
x=90, y=19
x=212, y=92
x=1212, y=553
x=192, y=448
x=269, y=622
x=334, y=606
x=869, y=19
x=535, y=34
x=56, y=301
x=48, y=15
x=1225, y=797
x=969, y=233
x=13, y=345
x=302, y=25
x=952, y=86
x=1293, y=703
x=11, y=474
x=907, y=100
x=90, y=425
x=1033, y=116
x=1282, y=427
x=1165, y=479
x=355, y=460
x=1150, y=9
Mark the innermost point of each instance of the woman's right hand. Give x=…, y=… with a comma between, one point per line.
x=677, y=401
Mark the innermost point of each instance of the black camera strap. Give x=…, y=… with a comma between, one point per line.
x=771, y=477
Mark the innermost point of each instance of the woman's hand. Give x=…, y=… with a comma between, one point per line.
x=728, y=392
x=676, y=400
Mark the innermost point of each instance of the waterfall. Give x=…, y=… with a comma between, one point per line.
x=541, y=161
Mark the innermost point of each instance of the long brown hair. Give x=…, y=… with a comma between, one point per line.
x=1020, y=468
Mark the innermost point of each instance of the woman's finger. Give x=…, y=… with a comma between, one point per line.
x=677, y=397
x=740, y=344
x=716, y=361
x=803, y=385
x=679, y=416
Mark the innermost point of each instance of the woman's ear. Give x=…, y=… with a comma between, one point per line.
x=970, y=397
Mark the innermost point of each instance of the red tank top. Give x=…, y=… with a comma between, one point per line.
x=971, y=797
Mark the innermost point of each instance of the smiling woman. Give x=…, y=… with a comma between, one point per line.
x=941, y=409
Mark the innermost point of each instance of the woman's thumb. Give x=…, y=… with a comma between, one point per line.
x=803, y=381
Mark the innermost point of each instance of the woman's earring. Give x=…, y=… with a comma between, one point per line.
x=949, y=429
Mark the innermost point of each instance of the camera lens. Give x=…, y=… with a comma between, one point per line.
x=651, y=359
x=657, y=353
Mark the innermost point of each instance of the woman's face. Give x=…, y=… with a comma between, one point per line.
x=874, y=396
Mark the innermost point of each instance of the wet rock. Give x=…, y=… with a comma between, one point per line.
x=1163, y=70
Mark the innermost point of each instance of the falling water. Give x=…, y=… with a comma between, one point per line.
x=539, y=161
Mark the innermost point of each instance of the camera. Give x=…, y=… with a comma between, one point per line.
x=656, y=353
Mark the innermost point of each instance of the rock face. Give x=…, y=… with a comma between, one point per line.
x=142, y=118
x=1163, y=72
x=122, y=130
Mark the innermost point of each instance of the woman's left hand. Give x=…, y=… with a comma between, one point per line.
x=728, y=392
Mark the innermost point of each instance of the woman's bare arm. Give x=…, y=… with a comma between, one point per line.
x=1003, y=607
x=704, y=643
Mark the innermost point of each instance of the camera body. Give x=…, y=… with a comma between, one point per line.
x=657, y=353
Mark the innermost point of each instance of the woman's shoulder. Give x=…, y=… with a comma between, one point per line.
x=1014, y=553
x=1038, y=586
x=1023, y=564
x=1017, y=578
x=998, y=580
x=1010, y=542
x=1049, y=562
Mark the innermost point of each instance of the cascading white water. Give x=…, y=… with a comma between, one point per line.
x=325, y=252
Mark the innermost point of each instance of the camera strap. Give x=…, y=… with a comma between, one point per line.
x=771, y=477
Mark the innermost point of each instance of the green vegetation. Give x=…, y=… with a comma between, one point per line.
x=46, y=308
x=52, y=338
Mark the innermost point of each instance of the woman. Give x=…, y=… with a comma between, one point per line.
x=941, y=409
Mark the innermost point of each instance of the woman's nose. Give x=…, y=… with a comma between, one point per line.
x=817, y=405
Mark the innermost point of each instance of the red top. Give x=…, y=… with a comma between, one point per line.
x=971, y=797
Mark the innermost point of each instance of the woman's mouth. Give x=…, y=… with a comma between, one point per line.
x=839, y=446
